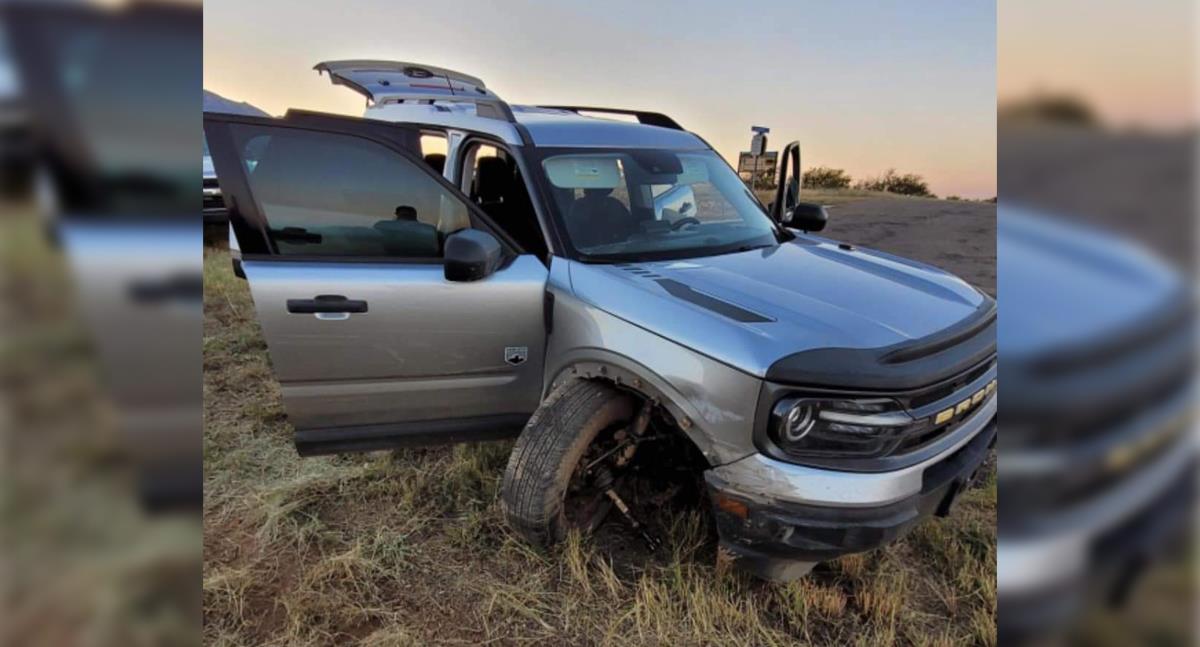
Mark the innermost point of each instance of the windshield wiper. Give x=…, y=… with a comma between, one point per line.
x=747, y=248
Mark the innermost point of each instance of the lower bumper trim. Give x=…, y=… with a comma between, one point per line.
x=758, y=529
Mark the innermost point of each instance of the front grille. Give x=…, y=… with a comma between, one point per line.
x=920, y=403
x=917, y=441
x=1087, y=423
x=1102, y=459
x=928, y=395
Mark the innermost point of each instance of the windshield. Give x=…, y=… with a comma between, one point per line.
x=654, y=204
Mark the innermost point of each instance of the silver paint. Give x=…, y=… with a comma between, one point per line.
x=819, y=296
x=427, y=348
x=718, y=400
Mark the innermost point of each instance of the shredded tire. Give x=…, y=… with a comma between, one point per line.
x=547, y=451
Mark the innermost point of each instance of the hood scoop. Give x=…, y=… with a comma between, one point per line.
x=685, y=292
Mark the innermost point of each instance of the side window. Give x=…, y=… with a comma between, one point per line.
x=329, y=194
x=493, y=180
x=433, y=150
x=487, y=157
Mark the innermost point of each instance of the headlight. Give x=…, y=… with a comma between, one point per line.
x=847, y=428
x=798, y=421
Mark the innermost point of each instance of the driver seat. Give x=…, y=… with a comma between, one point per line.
x=599, y=219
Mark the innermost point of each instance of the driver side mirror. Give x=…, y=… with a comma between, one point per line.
x=807, y=216
x=471, y=255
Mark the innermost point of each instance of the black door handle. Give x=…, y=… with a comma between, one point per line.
x=326, y=303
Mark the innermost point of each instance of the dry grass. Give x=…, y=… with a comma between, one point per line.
x=83, y=563
x=409, y=548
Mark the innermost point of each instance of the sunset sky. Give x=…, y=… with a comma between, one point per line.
x=1133, y=63
x=864, y=87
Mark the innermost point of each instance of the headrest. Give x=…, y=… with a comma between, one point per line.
x=596, y=194
x=436, y=161
x=492, y=179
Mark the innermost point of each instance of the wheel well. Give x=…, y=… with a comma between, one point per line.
x=667, y=417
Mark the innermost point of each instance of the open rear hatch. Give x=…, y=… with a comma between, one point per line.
x=381, y=81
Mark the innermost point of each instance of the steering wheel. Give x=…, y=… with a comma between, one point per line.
x=684, y=221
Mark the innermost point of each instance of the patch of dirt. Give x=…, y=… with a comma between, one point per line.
x=959, y=237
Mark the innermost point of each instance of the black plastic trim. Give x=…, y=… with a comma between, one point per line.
x=778, y=208
x=932, y=344
x=316, y=258
x=366, y=438
x=724, y=308
x=471, y=255
x=523, y=132
x=644, y=117
x=216, y=215
x=326, y=303
x=782, y=530
x=906, y=365
x=548, y=311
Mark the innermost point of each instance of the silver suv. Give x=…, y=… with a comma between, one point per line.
x=453, y=268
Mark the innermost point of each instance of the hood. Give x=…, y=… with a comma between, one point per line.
x=752, y=308
x=1067, y=286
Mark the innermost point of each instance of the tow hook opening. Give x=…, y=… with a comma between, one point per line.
x=947, y=503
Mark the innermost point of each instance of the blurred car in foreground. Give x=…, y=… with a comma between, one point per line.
x=214, y=203
x=1097, y=459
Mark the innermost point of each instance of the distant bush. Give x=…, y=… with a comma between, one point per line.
x=1050, y=108
x=892, y=182
x=953, y=198
x=823, y=177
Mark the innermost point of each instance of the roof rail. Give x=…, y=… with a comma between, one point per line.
x=643, y=116
x=398, y=81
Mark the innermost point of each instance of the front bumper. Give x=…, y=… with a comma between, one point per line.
x=770, y=514
x=1095, y=550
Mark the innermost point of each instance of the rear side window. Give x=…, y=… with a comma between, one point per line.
x=433, y=151
x=328, y=194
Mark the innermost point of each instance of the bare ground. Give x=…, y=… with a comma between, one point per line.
x=410, y=548
x=956, y=236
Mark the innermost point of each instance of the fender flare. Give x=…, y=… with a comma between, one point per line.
x=629, y=374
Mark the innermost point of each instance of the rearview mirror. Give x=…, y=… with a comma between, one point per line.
x=807, y=216
x=471, y=255
x=680, y=200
